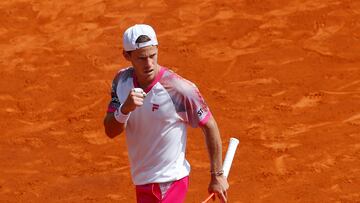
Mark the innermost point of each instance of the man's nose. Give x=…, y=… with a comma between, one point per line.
x=148, y=62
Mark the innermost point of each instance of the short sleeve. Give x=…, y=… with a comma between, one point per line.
x=187, y=99
x=114, y=102
x=197, y=111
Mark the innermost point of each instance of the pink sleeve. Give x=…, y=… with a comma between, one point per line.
x=187, y=99
x=197, y=110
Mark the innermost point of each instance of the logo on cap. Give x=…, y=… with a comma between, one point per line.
x=134, y=32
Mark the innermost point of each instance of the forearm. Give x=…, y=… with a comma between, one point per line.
x=218, y=183
x=112, y=126
x=213, y=142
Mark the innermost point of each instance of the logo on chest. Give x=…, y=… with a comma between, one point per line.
x=155, y=107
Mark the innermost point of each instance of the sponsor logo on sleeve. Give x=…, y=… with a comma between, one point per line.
x=200, y=112
x=115, y=100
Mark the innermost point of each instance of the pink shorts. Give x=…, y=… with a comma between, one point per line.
x=151, y=193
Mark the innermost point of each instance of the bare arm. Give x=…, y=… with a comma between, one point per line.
x=218, y=184
x=112, y=127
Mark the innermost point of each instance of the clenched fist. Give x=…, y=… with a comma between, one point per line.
x=135, y=99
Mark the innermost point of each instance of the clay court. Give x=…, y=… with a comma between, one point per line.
x=282, y=76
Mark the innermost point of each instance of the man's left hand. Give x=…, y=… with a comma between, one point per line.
x=219, y=186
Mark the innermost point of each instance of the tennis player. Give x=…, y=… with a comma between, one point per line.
x=154, y=106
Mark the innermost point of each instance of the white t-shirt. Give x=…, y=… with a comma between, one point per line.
x=156, y=131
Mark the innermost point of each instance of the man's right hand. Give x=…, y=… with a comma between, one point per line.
x=134, y=99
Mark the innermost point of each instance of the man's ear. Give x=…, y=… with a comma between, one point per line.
x=126, y=55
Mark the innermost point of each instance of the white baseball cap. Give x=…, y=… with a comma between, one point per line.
x=133, y=32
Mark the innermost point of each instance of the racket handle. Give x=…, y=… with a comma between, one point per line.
x=228, y=161
x=207, y=199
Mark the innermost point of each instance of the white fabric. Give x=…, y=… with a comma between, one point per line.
x=156, y=141
x=132, y=33
x=156, y=131
x=120, y=117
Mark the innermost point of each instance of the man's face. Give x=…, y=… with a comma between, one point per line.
x=144, y=61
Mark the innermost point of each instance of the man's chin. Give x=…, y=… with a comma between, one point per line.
x=149, y=77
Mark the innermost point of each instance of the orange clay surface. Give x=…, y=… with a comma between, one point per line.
x=282, y=76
